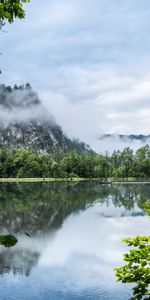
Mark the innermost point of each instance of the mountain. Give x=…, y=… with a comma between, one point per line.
x=111, y=142
x=25, y=122
x=132, y=137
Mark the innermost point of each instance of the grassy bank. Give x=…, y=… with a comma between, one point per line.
x=113, y=180
x=42, y=179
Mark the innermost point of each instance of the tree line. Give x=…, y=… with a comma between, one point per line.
x=23, y=162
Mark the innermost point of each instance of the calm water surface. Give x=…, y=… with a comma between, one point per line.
x=75, y=242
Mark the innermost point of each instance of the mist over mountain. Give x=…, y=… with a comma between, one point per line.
x=25, y=122
x=111, y=142
x=132, y=137
x=21, y=104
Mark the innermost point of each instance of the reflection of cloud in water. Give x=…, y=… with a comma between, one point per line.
x=18, y=262
x=77, y=261
x=109, y=211
x=23, y=257
x=90, y=235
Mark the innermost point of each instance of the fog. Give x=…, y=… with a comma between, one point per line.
x=78, y=119
x=89, y=120
x=114, y=142
x=22, y=106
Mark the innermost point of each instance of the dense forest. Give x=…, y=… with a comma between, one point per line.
x=87, y=164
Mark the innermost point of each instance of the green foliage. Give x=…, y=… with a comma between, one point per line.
x=25, y=162
x=11, y=9
x=146, y=207
x=143, y=161
x=8, y=240
x=137, y=269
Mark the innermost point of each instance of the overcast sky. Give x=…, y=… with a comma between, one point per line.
x=89, y=60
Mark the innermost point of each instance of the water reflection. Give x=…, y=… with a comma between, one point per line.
x=38, y=207
x=8, y=240
x=18, y=261
x=75, y=241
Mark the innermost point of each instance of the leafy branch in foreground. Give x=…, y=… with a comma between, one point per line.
x=11, y=9
x=137, y=269
x=147, y=207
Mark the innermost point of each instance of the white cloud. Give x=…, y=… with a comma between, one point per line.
x=108, y=104
x=76, y=237
x=89, y=59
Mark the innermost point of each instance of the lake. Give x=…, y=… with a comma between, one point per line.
x=69, y=239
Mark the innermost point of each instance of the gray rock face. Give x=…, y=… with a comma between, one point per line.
x=25, y=122
x=34, y=134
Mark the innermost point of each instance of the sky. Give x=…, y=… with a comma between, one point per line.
x=89, y=60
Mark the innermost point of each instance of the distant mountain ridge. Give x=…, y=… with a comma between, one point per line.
x=131, y=137
x=25, y=122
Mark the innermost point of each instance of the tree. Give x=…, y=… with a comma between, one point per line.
x=142, y=157
x=10, y=10
x=137, y=269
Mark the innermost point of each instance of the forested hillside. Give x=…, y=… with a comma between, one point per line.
x=32, y=144
x=28, y=163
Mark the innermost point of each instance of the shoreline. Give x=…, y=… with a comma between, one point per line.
x=96, y=180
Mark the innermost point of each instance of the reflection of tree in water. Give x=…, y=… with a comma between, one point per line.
x=129, y=195
x=18, y=261
x=39, y=206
